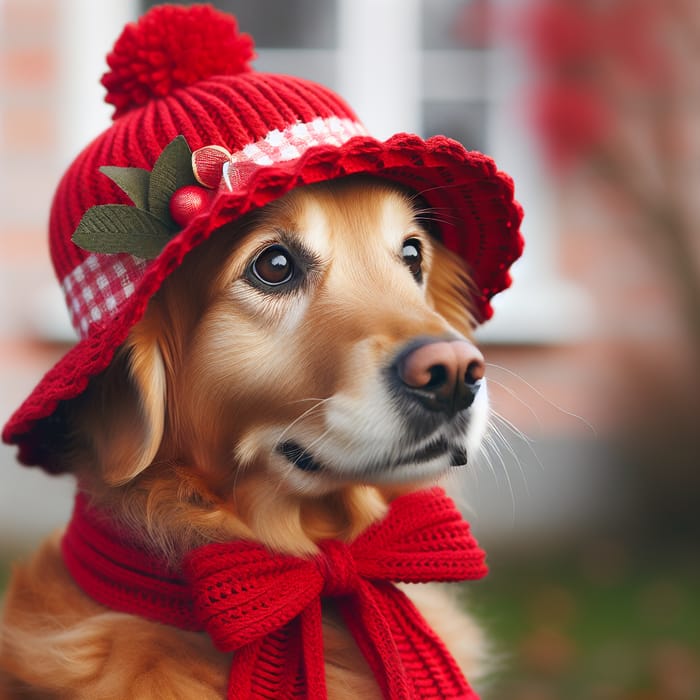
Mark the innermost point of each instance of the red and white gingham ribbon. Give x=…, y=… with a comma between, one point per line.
x=97, y=287
x=279, y=146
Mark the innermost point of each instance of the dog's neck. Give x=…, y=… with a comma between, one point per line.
x=174, y=509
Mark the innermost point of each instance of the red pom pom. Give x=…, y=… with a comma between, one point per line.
x=172, y=46
x=187, y=202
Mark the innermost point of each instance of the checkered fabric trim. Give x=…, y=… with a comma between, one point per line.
x=279, y=146
x=291, y=143
x=97, y=287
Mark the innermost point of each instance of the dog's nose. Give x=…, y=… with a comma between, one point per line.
x=443, y=375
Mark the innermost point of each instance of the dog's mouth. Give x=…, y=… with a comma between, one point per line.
x=305, y=461
x=299, y=457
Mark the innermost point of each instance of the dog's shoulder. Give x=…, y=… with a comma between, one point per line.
x=60, y=643
x=42, y=585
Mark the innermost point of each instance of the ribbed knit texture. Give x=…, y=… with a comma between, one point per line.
x=171, y=48
x=266, y=607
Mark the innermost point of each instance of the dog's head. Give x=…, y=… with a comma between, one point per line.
x=314, y=349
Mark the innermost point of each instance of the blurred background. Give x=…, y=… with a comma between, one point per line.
x=586, y=495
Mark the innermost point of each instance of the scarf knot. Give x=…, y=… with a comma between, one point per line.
x=337, y=567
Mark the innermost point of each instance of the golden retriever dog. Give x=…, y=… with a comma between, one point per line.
x=306, y=365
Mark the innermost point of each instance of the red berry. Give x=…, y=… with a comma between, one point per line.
x=188, y=202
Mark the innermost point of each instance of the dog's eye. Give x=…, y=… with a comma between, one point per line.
x=413, y=257
x=273, y=266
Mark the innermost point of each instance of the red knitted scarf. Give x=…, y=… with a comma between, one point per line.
x=266, y=607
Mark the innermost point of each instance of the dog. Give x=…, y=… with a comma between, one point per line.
x=301, y=369
x=275, y=367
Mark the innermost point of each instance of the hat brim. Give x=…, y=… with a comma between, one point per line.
x=477, y=218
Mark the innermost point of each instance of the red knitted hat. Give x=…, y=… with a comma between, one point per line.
x=198, y=140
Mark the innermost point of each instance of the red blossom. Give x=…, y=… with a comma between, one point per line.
x=558, y=33
x=589, y=58
x=571, y=119
x=635, y=37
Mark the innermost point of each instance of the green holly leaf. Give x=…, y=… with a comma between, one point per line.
x=172, y=170
x=133, y=181
x=144, y=229
x=120, y=228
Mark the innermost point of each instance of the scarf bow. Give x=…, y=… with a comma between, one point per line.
x=267, y=607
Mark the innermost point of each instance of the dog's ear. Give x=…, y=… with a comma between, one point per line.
x=132, y=407
x=450, y=289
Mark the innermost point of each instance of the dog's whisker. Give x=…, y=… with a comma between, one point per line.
x=509, y=448
x=506, y=473
x=305, y=400
x=288, y=470
x=520, y=434
x=432, y=211
x=433, y=218
x=315, y=442
x=528, y=442
x=490, y=442
x=444, y=186
x=549, y=402
x=516, y=397
x=506, y=423
x=486, y=443
x=305, y=414
x=434, y=215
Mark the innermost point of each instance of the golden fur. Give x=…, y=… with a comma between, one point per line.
x=177, y=438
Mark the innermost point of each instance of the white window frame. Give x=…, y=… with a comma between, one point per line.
x=86, y=32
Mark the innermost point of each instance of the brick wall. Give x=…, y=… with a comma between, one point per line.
x=28, y=173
